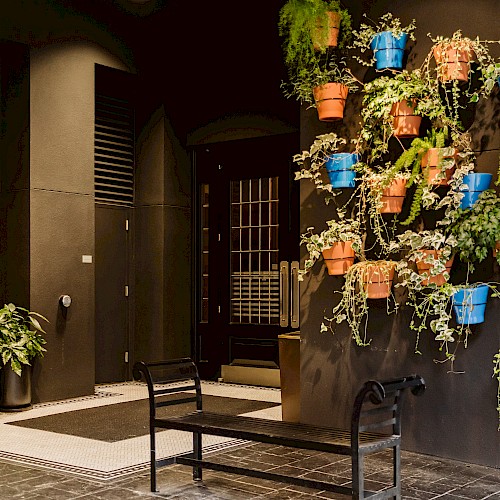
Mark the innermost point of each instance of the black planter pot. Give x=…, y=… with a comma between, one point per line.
x=15, y=390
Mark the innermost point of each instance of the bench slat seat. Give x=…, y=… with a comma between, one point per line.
x=375, y=425
x=302, y=436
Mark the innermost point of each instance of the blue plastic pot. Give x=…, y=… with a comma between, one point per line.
x=469, y=305
x=388, y=50
x=339, y=168
x=476, y=184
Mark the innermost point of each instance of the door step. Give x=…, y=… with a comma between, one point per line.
x=251, y=372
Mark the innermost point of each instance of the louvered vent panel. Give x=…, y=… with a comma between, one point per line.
x=114, y=151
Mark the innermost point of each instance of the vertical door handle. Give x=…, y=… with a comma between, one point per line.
x=294, y=295
x=284, y=294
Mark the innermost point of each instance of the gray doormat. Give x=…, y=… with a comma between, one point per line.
x=120, y=421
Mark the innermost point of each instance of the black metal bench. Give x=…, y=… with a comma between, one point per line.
x=375, y=425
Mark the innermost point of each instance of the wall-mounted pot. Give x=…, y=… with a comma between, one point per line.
x=339, y=167
x=469, y=304
x=475, y=184
x=388, y=50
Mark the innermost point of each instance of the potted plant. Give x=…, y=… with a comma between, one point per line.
x=363, y=280
x=429, y=164
x=395, y=106
x=323, y=153
x=323, y=84
x=387, y=39
x=312, y=26
x=339, y=244
x=477, y=229
x=20, y=343
x=473, y=184
x=431, y=251
x=341, y=171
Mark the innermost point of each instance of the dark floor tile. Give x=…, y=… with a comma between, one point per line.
x=479, y=489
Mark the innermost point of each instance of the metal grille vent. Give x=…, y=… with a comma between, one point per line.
x=114, y=151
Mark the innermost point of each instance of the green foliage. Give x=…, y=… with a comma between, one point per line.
x=363, y=37
x=496, y=374
x=20, y=341
x=342, y=229
x=477, y=229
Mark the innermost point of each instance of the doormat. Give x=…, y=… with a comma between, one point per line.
x=120, y=421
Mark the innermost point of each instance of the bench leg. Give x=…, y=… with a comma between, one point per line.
x=153, y=458
x=396, y=457
x=197, y=474
x=358, y=476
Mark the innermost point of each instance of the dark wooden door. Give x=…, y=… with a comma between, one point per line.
x=111, y=294
x=247, y=224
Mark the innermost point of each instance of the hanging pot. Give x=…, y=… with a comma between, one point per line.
x=496, y=249
x=433, y=159
x=339, y=167
x=15, y=390
x=321, y=39
x=339, y=257
x=377, y=279
x=330, y=101
x=469, y=304
x=424, y=268
x=453, y=64
x=393, y=197
x=388, y=50
x=475, y=185
x=406, y=123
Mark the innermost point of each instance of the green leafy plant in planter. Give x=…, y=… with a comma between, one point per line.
x=305, y=27
x=312, y=162
x=381, y=95
x=353, y=306
x=476, y=229
x=20, y=338
x=331, y=68
x=362, y=38
x=453, y=57
x=341, y=230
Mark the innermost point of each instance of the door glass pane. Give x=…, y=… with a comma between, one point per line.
x=254, y=286
x=204, y=253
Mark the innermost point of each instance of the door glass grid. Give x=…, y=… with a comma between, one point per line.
x=204, y=252
x=254, y=286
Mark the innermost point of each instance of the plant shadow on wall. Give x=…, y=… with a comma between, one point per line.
x=412, y=220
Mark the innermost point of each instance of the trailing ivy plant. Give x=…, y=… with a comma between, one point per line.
x=339, y=230
x=476, y=229
x=496, y=374
x=363, y=37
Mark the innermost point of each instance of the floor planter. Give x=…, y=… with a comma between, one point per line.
x=424, y=268
x=15, y=390
x=388, y=50
x=433, y=160
x=453, y=64
x=469, y=305
x=393, y=197
x=475, y=185
x=377, y=279
x=339, y=167
x=331, y=39
x=330, y=101
x=406, y=123
x=339, y=257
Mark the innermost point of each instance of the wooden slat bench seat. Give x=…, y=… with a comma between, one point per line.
x=375, y=425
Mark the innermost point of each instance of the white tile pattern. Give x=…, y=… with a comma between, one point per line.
x=102, y=460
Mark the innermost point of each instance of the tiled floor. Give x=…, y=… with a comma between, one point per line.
x=44, y=465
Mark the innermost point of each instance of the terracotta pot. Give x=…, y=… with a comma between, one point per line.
x=393, y=197
x=377, y=279
x=453, y=64
x=406, y=123
x=432, y=159
x=331, y=39
x=424, y=268
x=330, y=101
x=496, y=249
x=339, y=257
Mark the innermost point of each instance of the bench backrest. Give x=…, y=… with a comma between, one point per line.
x=179, y=374
x=378, y=405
